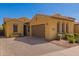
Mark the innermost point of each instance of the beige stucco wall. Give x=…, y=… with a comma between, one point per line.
x=9, y=28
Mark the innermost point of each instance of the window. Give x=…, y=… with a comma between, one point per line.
x=67, y=27
x=58, y=27
x=15, y=28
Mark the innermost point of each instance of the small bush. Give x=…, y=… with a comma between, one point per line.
x=71, y=38
x=76, y=35
x=65, y=35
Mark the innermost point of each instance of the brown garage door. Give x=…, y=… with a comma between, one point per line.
x=38, y=30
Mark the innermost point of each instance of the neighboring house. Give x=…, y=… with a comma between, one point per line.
x=42, y=26
x=16, y=27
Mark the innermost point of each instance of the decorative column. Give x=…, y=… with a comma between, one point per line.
x=65, y=27
x=60, y=27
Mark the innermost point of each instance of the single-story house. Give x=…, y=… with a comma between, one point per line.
x=40, y=25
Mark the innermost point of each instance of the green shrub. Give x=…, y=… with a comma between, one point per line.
x=65, y=35
x=76, y=35
x=71, y=38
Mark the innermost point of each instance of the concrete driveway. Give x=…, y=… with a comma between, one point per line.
x=74, y=51
x=26, y=46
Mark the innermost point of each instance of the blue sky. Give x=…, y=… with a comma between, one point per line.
x=15, y=10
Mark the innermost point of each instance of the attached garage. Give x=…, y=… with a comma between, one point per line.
x=38, y=30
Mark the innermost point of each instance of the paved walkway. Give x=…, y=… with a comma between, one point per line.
x=64, y=43
x=74, y=51
x=25, y=46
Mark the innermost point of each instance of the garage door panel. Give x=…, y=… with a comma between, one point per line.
x=38, y=30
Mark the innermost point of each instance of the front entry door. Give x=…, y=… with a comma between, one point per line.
x=25, y=30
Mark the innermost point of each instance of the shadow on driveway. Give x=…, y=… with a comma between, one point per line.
x=31, y=40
